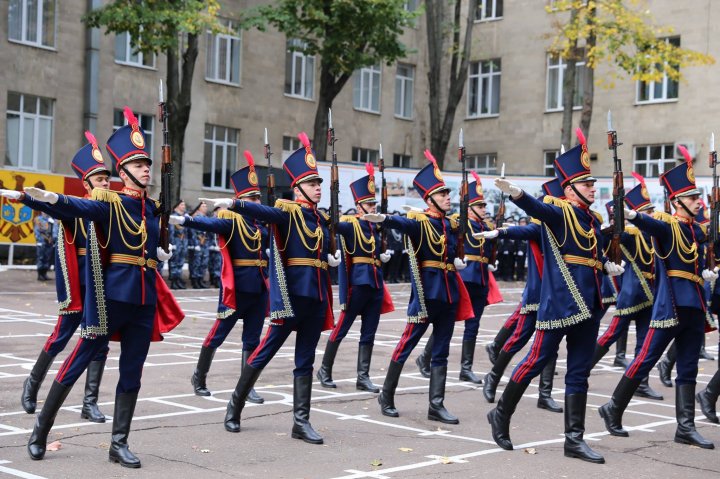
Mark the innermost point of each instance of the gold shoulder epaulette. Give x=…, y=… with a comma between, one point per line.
x=666, y=217
x=454, y=222
x=227, y=215
x=348, y=218
x=552, y=200
x=417, y=216
x=704, y=228
x=597, y=215
x=632, y=230
x=157, y=202
x=324, y=215
x=109, y=196
x=454, y=216
x=536, y=221
x=489, y=223
x=287, y=205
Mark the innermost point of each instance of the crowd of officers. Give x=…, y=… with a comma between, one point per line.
x=275, y=261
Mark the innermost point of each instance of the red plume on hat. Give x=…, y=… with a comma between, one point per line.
x=130, y=117
x=370, y=168
x=250, y=159
x=302, y=136
x=581, y=138
x=91, y=139
x=639, y=178
x=431, y=158
x=476, y=176
x=686, y=154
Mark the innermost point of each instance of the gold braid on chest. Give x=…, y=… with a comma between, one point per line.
x=366, y=244
x=122, y=219
x=252, y=241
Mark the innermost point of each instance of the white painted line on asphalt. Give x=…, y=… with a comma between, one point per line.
x=175, y=404
x=17, y=472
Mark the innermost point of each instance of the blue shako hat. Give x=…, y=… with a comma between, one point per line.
x=128, y=142
x=573, y=166
x=638, y=198
x=553, y=188
x=680, y=180
x=429, y=179
x=476, y=196
x=245, y=180
x=89, y=160
x=301, y=165
x=363, y=190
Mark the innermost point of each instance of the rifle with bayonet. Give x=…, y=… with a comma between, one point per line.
x=270, y=174
x=165, y=174
x=499, y=221
x=383, y=199
x=614, y=252
x=334, y=186
x=714, y=205
x=464, y=200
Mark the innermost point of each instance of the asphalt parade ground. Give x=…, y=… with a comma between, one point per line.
x=177, y=434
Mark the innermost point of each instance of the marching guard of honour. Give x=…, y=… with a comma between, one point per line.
x=271, y=262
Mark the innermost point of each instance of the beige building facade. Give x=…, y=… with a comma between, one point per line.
x=61, y=78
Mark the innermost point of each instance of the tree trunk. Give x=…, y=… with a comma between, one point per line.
x=566, y=136
x=330, y=87
x=589, y=83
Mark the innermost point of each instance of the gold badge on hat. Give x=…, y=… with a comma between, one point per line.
x=478, y=189
x=310, y=160
x=371, y=185
x=644, y=193
x=585, y=159
x=252, y=178
x=438, y=173
x=691, y=174
x=137, y=139
x=97, y=155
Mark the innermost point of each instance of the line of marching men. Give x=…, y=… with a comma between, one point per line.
x=275, y=262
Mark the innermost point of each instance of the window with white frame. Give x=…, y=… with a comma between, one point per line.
x=290, y=144
x=484, y=163
x=224, y=55
x=220, y=157
x=366, y=89
x=549, y=161
x=556, y=68
x=401, y=161
x=653, y=160
x=363, y=155
x=665, y=89
x=489, y=10
x=484, y=88
x=147, y=123
x=29, y=131
x=126, y=54
x=299, y=71
x=404, y=81
x=32, y=22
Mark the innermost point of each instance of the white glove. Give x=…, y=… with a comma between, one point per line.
x=213, y=203
x=196, y=248
x=334, y=260
x=493, y=267
x=11, y=194
x=385, y=257
x=374, y=217
x=176, y=220
x=630, y=214
x=486, y=234
x=709, y=275
x=614, y=269
x=460, y=264
x=42, y=195
x=508, y=187
x=408, y=209
x=267, y=252
x=162, y=255
x=172, y=247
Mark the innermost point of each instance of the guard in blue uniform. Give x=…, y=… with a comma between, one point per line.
x=635, y=298
x=362, y=289
x=214, y=258
x=198, y=245
x=244, y=289
x=679, y=309
x=524, y=326
x=438, y=295
x=300, y=289
x=88, y=164
x=178, y=237
x=44, y=242
x=570, y=305
x=125, y=290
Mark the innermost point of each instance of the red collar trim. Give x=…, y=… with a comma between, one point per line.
x=683, y=219
x=306, y=204
x=434, y=214
x=131, y=192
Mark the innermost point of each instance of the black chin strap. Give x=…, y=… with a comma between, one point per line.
x=585, y=200
x=362, y=208
x=480, y=218
x=132, y=178
x=687, y=210
x=432, y=200
x=299, y=187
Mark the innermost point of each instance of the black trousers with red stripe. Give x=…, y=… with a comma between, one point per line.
x=442, y=316
x=622, y=323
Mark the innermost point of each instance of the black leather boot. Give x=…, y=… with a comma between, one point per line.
x=45, y=420
x=200, y=374
x=466, y=362
x=252, y=396
x=386, y=399
x=707, y=398
x=363, y=382
x=620, y=349
x=499, y=418
x=437, y=411
x=302, y=429
x=324, y=373
x=645, y=391
x=613, y=410
x=665, y=366
x=703, y=353
x=492, y=379
x=237, y=400
x=90, y=410
x=685, y=413
x=32, y=383
x=173, y=283
x=423, y=361
x=600, y=352
x=181, y=283
x=119, y=449
x=575, y=446
x=493, y=349
x=545, y=400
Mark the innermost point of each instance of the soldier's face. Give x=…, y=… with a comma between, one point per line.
x=442, y=199
x=585, y=188
x=181, y=207
x=478, y=210
x=253, y=199
x=140, y=169
x=100, y=180
x=311, y=189
x=368, y=208
x=693, y=203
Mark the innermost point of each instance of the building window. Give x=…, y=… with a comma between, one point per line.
x=404, y=81
x=299, y=71
x=556, y=68
x=658, y=91
x=147, y=123
x=366, y=89
x=220, y=158
x=401, y=161
x=223, y=55
x=410, y=5
x=290, y=144
x=29, y=131
x=653, y=160
x=484, y=89
x=549, y=162
x=363, y=155
x=484, y=163
x=32, y=22
x=126, y=54
x=489, y=10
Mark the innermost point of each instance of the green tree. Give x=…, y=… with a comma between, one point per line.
x=620, y=33
x=346, y=35
x=171, y=27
